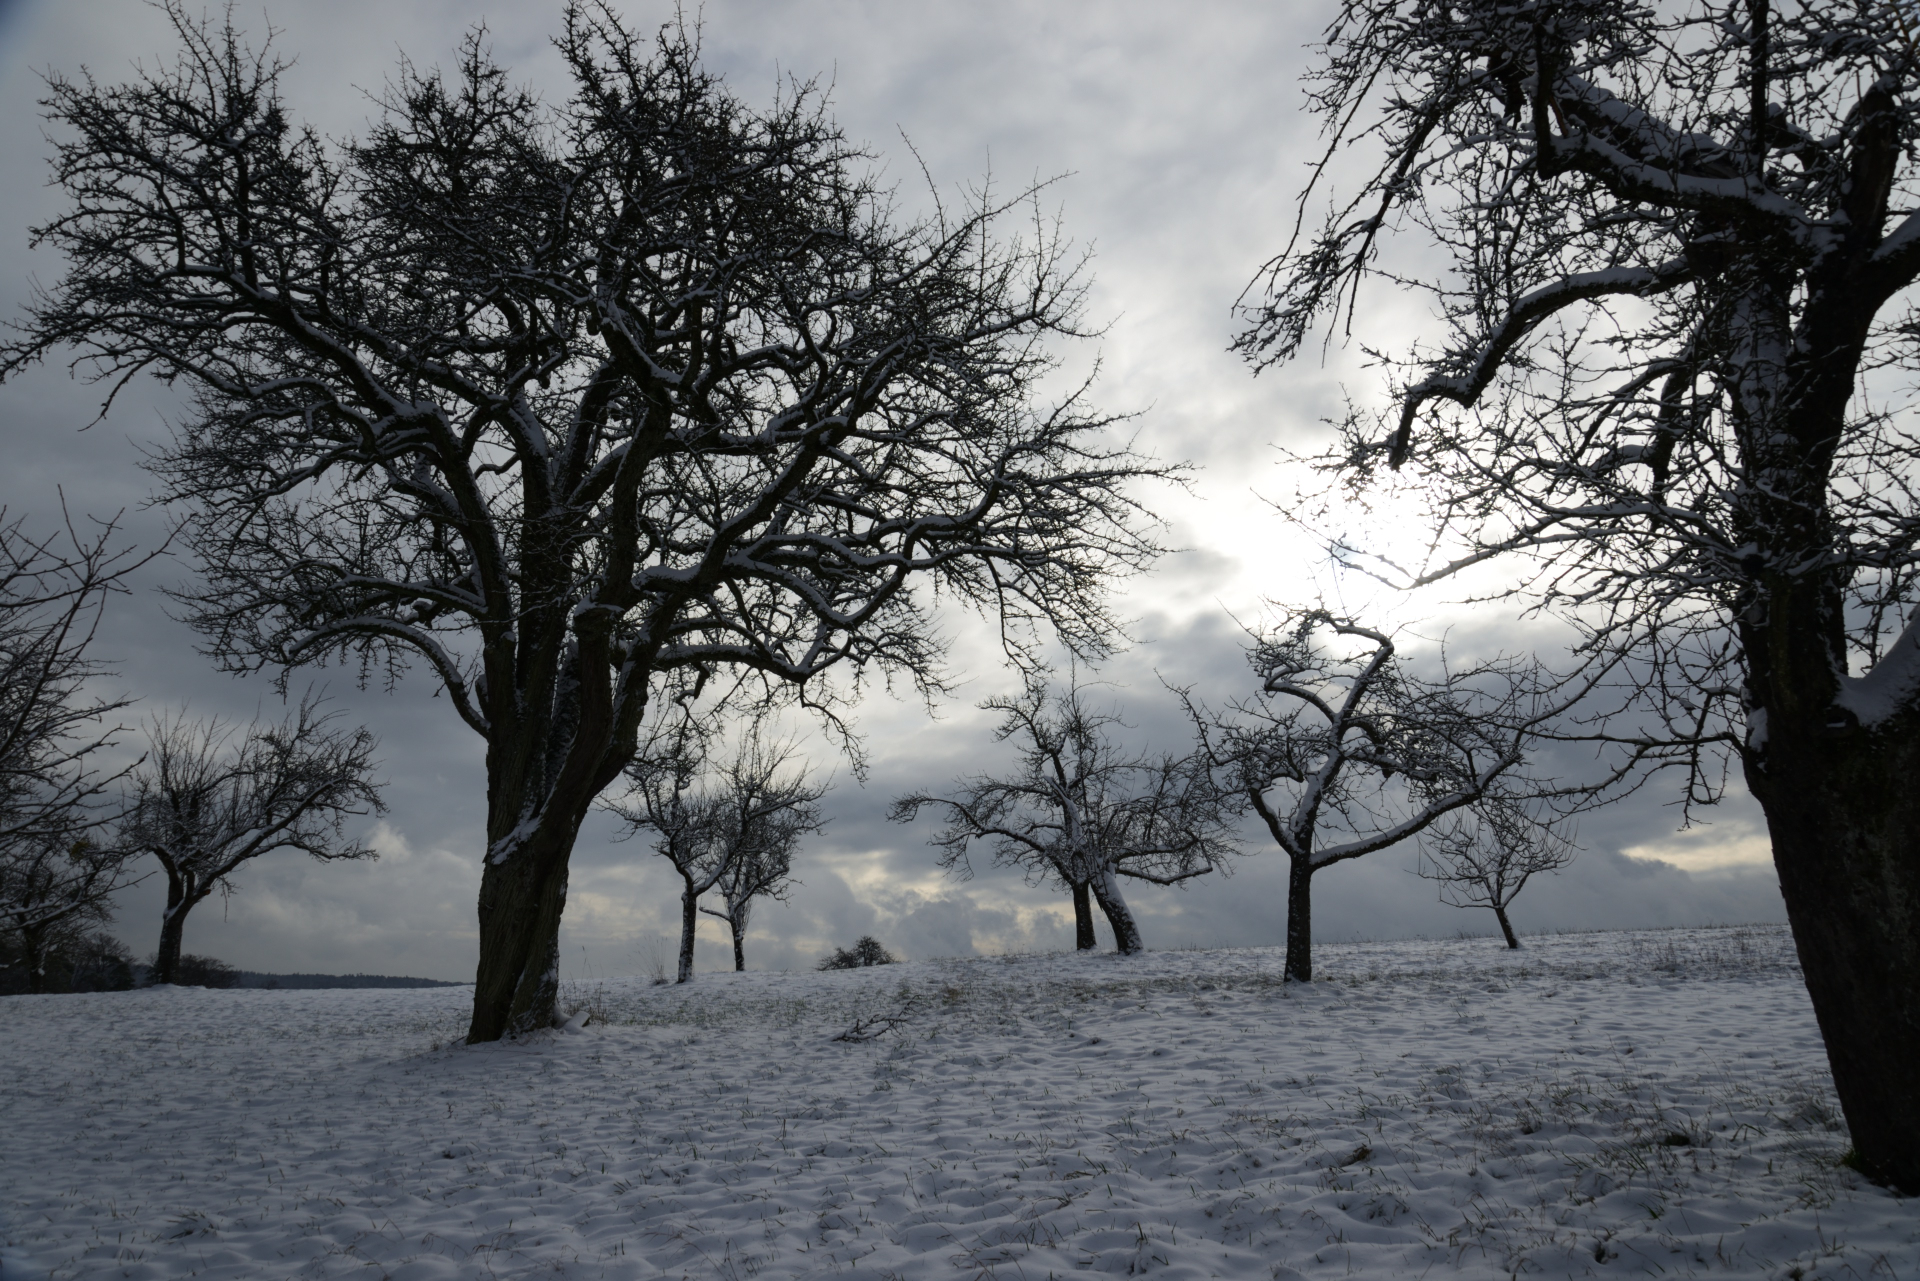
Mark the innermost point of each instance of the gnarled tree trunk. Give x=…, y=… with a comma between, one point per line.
x=1846, y=843
x=517, y=981
x=1126, y=932
x=1844, y=814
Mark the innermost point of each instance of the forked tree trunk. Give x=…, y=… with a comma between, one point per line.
x=1300, y=920
x=1113, y=905
x=1506, y=926
x=173, y=928
x=1844, y=814
x=518, y=978
x=1083, y=937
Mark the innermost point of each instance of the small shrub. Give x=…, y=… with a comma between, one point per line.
x=863, y=953
x=652, y=954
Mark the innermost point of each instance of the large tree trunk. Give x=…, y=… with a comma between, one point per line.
x=1844, y=815
x=522, y=899
x=1506, y=926
x=1083, y=938
x=1126, y=933
x=739, y=929
x=1300, y=920
x=173, y=926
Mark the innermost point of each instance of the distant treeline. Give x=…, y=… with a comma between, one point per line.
x=249, y=978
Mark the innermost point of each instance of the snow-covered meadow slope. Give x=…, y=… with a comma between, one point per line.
x=1597, y=1104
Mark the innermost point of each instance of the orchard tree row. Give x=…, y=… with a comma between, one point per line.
x=597, y=410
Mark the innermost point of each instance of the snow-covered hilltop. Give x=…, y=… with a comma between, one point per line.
x=1643, y=1103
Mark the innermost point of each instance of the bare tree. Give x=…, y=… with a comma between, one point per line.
x=733, y=829
x=53, y=723
x=209, y=797
x=769, y=810
x=1484, y=856
x=1082, y=810
x=1342, y=752
x=1679, y=244
x=56, y=874
x=53, y=887
x=661, y=798
x=561, y=399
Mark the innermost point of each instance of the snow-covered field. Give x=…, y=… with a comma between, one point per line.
x=1597, y=1104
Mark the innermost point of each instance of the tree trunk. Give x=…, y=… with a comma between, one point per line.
x=1844, y=816
x=173, y=927
x=522, y=898
x=1506, y=926
x=33, y=942
x=1300, y=920
x=689, y=922
x=1083, y=939
x=739, y=944
x=1126, y=934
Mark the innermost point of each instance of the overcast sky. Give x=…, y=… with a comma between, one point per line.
x=1178, y=140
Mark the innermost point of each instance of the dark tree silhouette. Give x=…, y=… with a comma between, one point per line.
x=867, y=951
x=54, y=886
x=1485, y=857
x=562, y=399
x=770, y=809
x=733, y=829
x=1083, y=811
x=1342, y=752
x=1674, y=389
x=209, y=798
x=56, y=871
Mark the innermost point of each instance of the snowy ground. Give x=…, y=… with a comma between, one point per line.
x=1598, y=1104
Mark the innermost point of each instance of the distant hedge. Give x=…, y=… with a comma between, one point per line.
x=251, y=978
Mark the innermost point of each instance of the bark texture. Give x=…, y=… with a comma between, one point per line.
x=517, y=979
